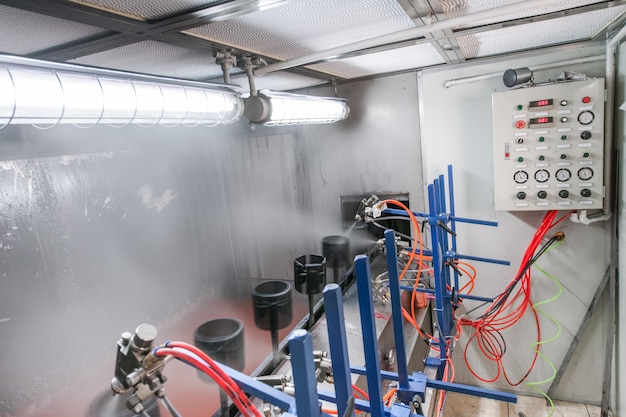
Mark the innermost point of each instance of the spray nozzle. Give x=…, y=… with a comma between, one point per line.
x=369, y=209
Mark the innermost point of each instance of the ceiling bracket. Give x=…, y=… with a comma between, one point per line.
x=226, y=60
x=248, y=64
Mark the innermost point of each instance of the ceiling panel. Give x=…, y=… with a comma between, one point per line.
x=147, y=9
x=400, y=59
x=539, y=34
x=301, y=27
x=23, y=32
x=457, y=8
x=157, y=58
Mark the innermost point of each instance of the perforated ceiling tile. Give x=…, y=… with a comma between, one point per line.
x=457, y=8
x=146, y=9
x=416, y=56
x=23, y=32
x=156, y=58
x=539, y=34
x=301, y=27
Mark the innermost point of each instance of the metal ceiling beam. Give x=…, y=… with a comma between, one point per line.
x=450, y=35
x=134, y=30
x=122, y=30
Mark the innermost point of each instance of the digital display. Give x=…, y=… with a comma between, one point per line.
x=540, y=121
x=541, y=103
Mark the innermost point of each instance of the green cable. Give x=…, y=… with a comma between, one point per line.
x=536, y=345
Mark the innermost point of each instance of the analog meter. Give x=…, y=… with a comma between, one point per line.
x=563, y=174
x=586, y=117
x=520, y=177
x=585, y=173
x=542, y=175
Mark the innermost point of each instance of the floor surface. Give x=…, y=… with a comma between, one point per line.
x=458, y=405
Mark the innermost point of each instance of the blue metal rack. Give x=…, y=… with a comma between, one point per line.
x=444, y=254
x=411, y=387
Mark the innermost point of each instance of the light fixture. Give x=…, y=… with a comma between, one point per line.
x=276, y=109
x=46, y=94
x=272, y=108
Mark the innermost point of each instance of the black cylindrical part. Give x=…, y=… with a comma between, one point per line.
x=309, y=272
x=107, y=405
x=222, y=339
x=336, y=250
x=272, y=305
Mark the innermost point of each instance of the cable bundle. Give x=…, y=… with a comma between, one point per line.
x=510, y=305
x=193, y=356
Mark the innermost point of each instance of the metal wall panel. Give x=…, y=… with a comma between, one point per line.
x=462, y=136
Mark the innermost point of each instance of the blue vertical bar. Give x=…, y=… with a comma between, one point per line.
x=335, y=323
x=368, y=330
x=445, y=239
x=303, y=369
x=452, y=221
x=437, y=267
x=396, y=308
x=442, y=195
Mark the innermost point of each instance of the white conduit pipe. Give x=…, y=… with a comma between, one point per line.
x=467, y=80
x=406, y=34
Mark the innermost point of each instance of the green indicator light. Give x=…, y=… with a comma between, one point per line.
x=519, y=107
x=541, y=157
x=563, y=156
x=520, y=159
x=541, y=138
x=586, y=155
x=563, y=137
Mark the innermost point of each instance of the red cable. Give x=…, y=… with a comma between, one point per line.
x=518, y=301
x=228, y=389
x=220, y=372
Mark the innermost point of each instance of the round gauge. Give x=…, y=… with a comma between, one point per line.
x=542, y=175
x=585, y=173
x=520, y=177
x=586, y=117
x=563, y=174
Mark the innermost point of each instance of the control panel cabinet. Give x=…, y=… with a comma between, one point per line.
x=548, y=146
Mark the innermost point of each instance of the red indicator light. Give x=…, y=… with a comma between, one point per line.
x=520, y=124
x=586, y=99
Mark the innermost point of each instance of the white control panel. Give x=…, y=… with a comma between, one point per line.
x=548, y=146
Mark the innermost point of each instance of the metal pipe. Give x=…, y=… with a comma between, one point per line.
x=405, y=34
x=466, y=80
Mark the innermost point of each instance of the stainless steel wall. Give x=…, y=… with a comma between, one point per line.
x=104, y=228
x=101, y=229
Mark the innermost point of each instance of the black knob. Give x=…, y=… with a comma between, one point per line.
x=585, y=192
x=542, y=194
x=563, y=193
x=145, y=335
x=585, y=135
x=521, y=195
